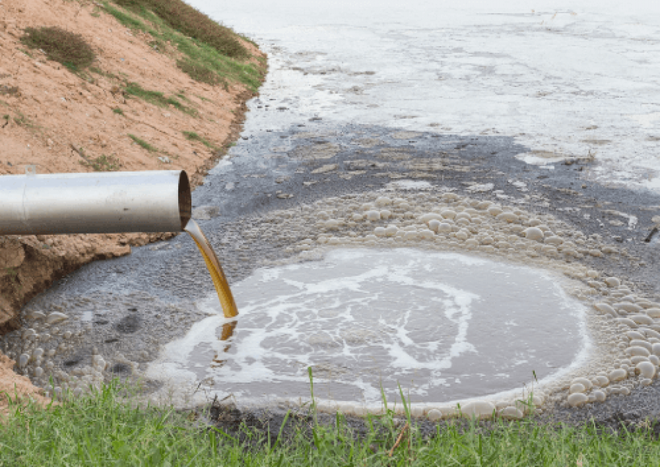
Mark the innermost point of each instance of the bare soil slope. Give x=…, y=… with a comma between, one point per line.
x=82, y=121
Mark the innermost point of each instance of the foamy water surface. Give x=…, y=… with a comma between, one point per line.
x=443, y=326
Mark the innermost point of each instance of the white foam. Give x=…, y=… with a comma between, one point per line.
x=409, y=185
x=445, y=326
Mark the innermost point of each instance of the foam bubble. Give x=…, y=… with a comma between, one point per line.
x=23, y=360
x=430, y=216
x=577, y=387
x=56, y=317
x=618, y=375
x=612, y=282
x=641, y=319
x=383, y=201
x=511, y=413
x=434, y=415
x=599, y=396
x=373, y=215
x=478, y=409
x=577, y=399
x=653, y=312
x=533, y=233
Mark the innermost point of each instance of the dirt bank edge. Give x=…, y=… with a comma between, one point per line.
x=30, y=264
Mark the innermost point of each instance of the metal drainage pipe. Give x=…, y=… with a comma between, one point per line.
x=84, y=203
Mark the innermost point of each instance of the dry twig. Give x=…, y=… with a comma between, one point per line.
x=399, y=438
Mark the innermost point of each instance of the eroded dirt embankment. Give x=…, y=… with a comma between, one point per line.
x=64, y=121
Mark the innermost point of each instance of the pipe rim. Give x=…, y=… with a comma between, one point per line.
x=185, y=200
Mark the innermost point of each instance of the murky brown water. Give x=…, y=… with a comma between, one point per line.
x=215, y=269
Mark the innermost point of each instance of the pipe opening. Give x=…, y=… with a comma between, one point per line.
x=185, y=203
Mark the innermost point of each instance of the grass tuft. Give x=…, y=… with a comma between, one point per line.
x=60, y=45
x=118, y=111
x=157, y=98
x=192, y=136
x=199, y=72
x=103, y=163
x=21, y=120
x=142, y=143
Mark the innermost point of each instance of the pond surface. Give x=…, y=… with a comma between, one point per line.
x=442, y=326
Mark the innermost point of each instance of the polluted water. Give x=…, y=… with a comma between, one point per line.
x=215, y=269
x=366, y=320
x=409, y=289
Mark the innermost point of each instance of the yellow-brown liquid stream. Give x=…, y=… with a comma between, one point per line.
x=219, y=280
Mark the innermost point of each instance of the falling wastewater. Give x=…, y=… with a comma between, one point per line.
x=215, y=269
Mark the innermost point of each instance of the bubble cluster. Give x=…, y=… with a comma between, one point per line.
x=624, y=325
x=37, y=347
x=77, y=342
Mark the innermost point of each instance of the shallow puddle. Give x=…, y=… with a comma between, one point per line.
x=443, y=326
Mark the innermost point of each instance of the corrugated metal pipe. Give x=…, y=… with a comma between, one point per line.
x=84, y=203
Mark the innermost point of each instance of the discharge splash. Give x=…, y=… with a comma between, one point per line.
x=213, y=264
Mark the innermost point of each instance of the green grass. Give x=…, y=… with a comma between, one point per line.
x=103, y=428
x=199, y=72
x=157, y=98
x=102, y=163
x=192, y=136
x=99, y=71
x=60, y=45
x=26, y=52
x=142, y=143
x=191, y=22
x=118, y=111
x=127, y=19
x=22, y=120
x=198, y=39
